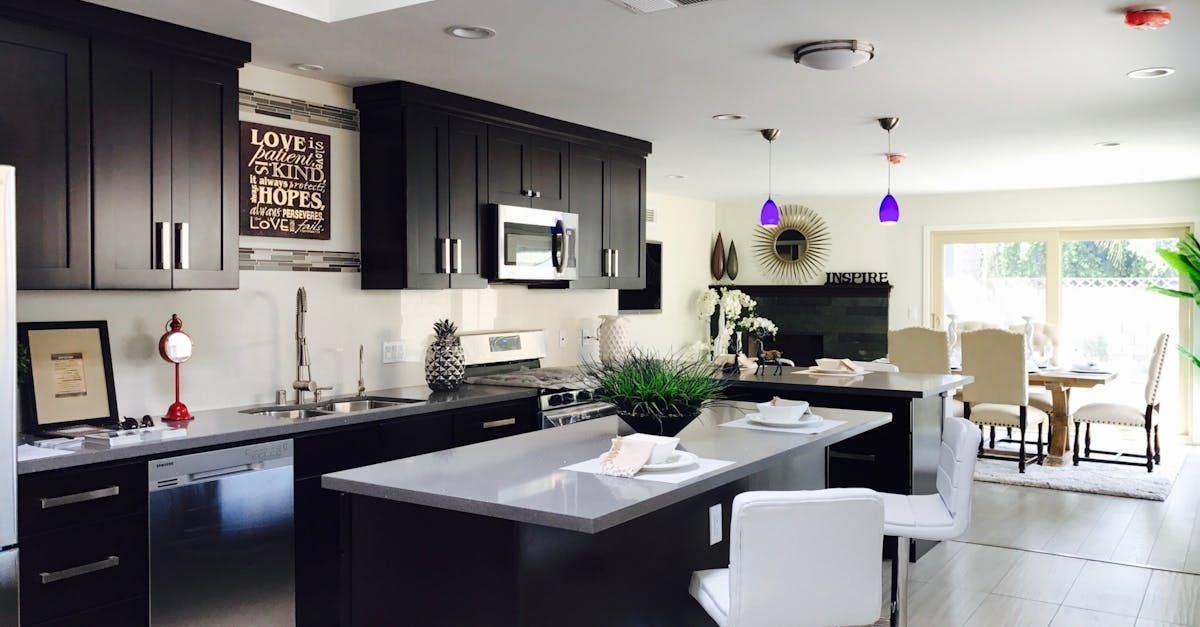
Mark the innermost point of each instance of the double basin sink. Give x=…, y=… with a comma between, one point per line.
x=344, y=406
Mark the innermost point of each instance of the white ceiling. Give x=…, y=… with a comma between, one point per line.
x=991, y=95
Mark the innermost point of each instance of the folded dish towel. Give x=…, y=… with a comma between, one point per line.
x=626, y=457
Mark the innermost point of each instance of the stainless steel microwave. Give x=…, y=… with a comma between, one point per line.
x=535, y=244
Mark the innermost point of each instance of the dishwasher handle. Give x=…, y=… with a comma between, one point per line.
x=205, y=475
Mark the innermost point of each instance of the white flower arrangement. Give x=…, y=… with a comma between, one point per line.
x=734, y=308
x=706, y=304
x=758, y=326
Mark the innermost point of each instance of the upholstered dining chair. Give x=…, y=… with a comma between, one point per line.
x=917, y=349
x=1127, y=416
x=798, y=558
x=999, y=396
x=941, y=516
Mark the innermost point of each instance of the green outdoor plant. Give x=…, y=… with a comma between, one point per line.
x=646, y=384
x=1185, y=259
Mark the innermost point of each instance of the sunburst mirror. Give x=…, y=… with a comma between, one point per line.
x=796, y=249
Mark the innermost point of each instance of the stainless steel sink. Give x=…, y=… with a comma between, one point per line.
x=286, y=413
x=363, y=404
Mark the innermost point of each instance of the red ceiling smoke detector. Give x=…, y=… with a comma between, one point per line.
x=1147, y=19
x=896, y=158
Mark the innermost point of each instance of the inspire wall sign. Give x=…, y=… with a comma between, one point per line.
x=285, y=182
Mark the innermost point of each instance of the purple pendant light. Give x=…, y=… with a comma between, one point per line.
x=889, y=209
x=769, y=216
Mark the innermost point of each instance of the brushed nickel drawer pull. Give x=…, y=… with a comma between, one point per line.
x=503, y=422
x=162, y=245
x=80, y=497
x=67, y=573
x=182, y=246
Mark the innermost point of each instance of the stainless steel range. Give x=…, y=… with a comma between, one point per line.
x=514, y=358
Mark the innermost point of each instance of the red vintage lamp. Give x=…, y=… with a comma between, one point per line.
x=175, y=347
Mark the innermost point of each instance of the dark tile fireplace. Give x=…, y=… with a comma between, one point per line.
x=824, y=320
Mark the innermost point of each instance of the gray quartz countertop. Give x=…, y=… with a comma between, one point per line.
x=519, y=478
x=230, y=426
x=893, y=384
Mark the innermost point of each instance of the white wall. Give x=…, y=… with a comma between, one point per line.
x=244, y=338
x=684, y=226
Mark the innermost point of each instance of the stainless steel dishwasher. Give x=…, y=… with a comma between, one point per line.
x=221, y=537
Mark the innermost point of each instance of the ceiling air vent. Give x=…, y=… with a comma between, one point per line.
x=642, y=7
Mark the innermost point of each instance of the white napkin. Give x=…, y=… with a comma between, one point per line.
x=626, y=457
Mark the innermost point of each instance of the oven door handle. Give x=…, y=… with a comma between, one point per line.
x=558, y=247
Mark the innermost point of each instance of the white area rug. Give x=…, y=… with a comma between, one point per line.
x=1092, y=478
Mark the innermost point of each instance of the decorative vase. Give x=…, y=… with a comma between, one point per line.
x=613, y=335
x=716, y=262
x=952, y=335
x=669, y=426
x=444, y=368
x=731, y=262
x=1028, y=338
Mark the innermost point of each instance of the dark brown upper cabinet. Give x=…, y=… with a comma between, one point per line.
x=422, y=230
x=44, y=133
x=608, y=192
x=527, y=169
x=124, y=133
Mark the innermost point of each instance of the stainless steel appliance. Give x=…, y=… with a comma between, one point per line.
x=514, y=358
x=221, y=537
x=8, y=400
x=535, y=244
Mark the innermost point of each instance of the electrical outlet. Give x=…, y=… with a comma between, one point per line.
x=393, y=352
x=714, y=524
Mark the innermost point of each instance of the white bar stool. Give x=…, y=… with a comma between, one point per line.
x=941, y=516
x=798, y=558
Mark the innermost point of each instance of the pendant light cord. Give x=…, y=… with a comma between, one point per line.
x=889, y=161
x=770, y=166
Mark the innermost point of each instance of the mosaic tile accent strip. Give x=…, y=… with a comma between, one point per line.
x=299, y=110
x=287, y=260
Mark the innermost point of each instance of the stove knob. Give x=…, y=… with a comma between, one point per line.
x=555, y=400
x=583, y=395
x=568, y=398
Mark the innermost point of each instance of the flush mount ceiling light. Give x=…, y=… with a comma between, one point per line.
x=471, y=32
x=889, y=209
x=677, y=177
x=769, y=215
x=728, y=116
x=834, y=54
x=1106, y=144
x=308, y=67
x=1151, y=72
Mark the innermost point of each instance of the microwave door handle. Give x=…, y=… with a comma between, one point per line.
x=557, y=247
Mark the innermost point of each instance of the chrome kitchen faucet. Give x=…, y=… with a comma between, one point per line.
x=304, y=382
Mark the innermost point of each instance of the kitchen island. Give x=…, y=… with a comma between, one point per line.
x=498, y=533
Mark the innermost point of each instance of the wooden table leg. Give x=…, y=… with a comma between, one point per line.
x=1059, y=418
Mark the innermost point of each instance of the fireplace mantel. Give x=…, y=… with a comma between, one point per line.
x=865, y=291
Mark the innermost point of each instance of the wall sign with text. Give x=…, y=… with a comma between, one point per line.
x=856, y=278
x=285, y=182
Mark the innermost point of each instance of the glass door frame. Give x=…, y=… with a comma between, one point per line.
x=936, y=239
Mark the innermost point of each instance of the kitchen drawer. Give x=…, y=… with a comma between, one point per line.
x=133, y=612
x=336, y=450
x=82, y=568
x=416, y=435
x=52, y=500
x=494, y=421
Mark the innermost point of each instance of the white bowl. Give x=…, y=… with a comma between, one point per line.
x=782, y=410
x=663, y=446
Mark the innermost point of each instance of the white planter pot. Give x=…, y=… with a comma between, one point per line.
x=613, y=335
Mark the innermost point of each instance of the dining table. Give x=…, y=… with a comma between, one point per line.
x=1059, y=382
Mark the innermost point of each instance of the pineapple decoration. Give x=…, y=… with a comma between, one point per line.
x=444, y=362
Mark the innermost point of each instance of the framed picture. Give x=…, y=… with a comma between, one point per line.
x=64, y=370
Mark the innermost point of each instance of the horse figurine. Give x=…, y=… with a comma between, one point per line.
x=770, y=358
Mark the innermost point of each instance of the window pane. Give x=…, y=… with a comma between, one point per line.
x=996, y=283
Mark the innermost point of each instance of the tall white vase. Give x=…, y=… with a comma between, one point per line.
x=613, y=335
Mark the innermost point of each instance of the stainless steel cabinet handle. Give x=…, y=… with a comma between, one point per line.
x=75, y=571
x=537, y=194
x=162, y=245
x=456, y=267
x=503, y=422
x=445, y=269
x=607, y=262
x=182, y=250
x=616, y=264
x=528, y=193
x=80, y=497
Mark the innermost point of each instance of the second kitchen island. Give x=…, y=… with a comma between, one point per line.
x=499, y=534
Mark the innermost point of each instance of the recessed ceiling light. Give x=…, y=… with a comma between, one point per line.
x=834, y=54
x=308, y=67
x=728, y=116
x=1151, y=72
x=677, y=177
x=471, y=32
x=1106, y=144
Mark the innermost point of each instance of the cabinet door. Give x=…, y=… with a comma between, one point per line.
x=204, y=185
x=508, y=167
x=467, y=177
x=491, y=422
x=589, y=188
x=416, y=435
x=45, y=134
x=319, y=549
x=428, y=232
x=627, y=221
x=548, y=173
x=131, y=141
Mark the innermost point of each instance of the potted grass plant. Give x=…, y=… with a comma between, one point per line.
x=654, y=394
x=1185, y=259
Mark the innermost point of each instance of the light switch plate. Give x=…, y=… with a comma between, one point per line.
x=393, y=352
x=714, y=524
